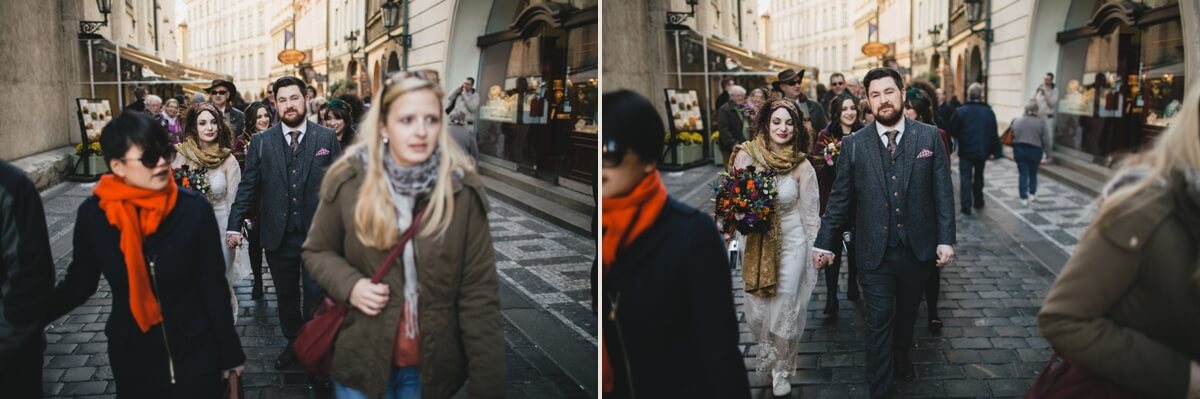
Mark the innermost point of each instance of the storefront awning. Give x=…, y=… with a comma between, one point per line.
x=158, y=70
x=740, y=61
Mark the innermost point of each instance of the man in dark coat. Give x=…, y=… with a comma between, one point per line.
x=945, y=110
x=837, y=86
x=974, y=126
x=222, y=93
x=893, y=180
x=26, y=283
x=729, y=121
x=284, y=168
x=140, y=104
x=814, y=113
x=724, y=97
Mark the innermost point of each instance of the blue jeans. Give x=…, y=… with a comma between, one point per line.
x=405, y=383
x=1028, y=158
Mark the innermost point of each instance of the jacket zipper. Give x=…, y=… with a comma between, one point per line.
x=170, y=359
x=612, y=315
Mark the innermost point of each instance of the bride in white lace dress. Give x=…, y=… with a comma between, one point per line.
x=207, y=146
x=777, y=267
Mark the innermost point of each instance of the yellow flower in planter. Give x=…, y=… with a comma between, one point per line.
x=715, y=135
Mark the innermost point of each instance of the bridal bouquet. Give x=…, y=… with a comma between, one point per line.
x=193, y=179
x=745, y=199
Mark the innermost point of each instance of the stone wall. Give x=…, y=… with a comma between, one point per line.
x=634, y=33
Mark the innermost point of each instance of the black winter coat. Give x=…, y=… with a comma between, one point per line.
x=974, y=126
x=675, y=318
x=191, y=288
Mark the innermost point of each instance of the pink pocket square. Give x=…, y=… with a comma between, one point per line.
x=322, y=152
x=925, y=154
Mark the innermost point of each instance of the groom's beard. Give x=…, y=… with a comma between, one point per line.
x=889, y=120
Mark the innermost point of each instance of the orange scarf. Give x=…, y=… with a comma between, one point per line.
x=625, y=219
x=121, y=203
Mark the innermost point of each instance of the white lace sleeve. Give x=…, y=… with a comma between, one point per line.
x=810, y=201
x=233, y=177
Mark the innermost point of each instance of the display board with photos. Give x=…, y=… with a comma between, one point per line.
x=686, y=120
x=94, y=114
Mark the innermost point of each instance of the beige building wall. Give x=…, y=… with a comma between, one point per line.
x=640, y=67
x=40, y=73
x=231, y=37
x=816, y=32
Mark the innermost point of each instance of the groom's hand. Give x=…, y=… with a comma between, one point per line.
x=945, y=255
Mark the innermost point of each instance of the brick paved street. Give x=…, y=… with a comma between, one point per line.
x=550, y=331
x=990, y=298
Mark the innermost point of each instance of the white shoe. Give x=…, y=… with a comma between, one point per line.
x=780, y=386
x=1024, y=202
x=1033, y=198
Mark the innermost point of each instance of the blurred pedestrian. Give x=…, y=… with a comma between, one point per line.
x=26, y=283
x=730, y=122
x=221, y=93
x=837, y=87
x=463, y=135
x=172, y=122
x=670, y=328
x=1124, y=309
x=854, y=87
x=845, y=109
x=401, y=341
x=170, y=333
x=864, y=109
x=1045, y=96
x=139, y=103
x=726, y=84
x=154, y=105
x=314, y=106
x=261, y=119
x=814, y=115
x=357, y=108
x=1029, y=141
x=974, y=126
x=944, y=111
x=464, y=100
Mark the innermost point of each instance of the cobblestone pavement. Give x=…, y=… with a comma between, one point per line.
x=543, y=269
x=1061, y=213
x=989, y=302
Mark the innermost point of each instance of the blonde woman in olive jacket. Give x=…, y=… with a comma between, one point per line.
x=1127, y=304
x=442, y=294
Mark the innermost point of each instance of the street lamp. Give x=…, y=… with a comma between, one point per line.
x=90, y=27
x=975, y=9
x=352, y=42
x=677, y=18
x=391, y=19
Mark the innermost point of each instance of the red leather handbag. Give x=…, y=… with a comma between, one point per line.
x=314, y=342
x=1060, y=379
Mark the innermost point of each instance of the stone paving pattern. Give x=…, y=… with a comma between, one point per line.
x=538, y=259
x=990, y=298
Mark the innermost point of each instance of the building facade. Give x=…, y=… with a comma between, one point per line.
x=231, y=38
x=815, y=33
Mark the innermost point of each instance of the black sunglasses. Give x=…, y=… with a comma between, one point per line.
x=150, y=157
x=219, y=92
x=613, y=154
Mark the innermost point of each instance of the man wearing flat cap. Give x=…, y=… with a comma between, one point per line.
x=221, y=94
x=789, y=83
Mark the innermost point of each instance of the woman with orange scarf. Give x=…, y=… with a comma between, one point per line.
x=670, y=329
x=169, y=333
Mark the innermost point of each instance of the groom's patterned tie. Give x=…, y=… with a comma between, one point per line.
x=296, y=141
x=891, y=134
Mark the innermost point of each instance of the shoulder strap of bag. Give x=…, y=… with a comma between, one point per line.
x=399, y=249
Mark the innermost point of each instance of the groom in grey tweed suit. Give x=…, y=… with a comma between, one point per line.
x=893, y=180
x=284, y=167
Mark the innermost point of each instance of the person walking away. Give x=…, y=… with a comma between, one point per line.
x=679, y=339
x=814, y=115
x=1029, y=141
x=1046, y=98
x=974, y=126
x=170, y=334
x=26, y=283
x=436, y=315
x=220, y=94
x=1125, y=306
x=262, y=118
x=845, y=109
x=284, y=168
x=730, y=122
x=893, y=180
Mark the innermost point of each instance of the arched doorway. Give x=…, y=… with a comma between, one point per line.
x=959, y=73
x=976, y=66
x=393, y=64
